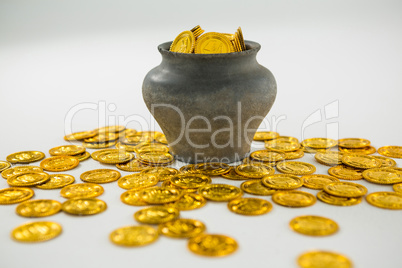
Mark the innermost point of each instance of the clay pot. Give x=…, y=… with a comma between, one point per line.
x=209, y=105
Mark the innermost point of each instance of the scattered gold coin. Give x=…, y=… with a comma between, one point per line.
x=84, y=156
x=294, y=154
x=296, y=168
x=162, y=173
x=268, y=156
x=137, y=181
x=189, y=201
x=98, y=145
x=56, y=181
x=114, y=156
x=265, y=135
x=250, y=206
x=4, y=165
x=8, y=173
x=187, y=169
x=232, y=175
x=220, y=192
x=319, y=143
x=160, y=195
x=353, y=143
x=256, y=187
x=84, y=206
x=385, y=161
x=211, y=169
x=212, y=245
x=285, y=144
x=318, y=259
x=28, y=179
x=156, y=214
x=133, y=198
x=67, y=150
x=314, y=225
x=397, y=188
x=346, y=172
x=77, y=136
x=345, y=189
x=282, y=182
x=81, y=190
x=382, y=175
x=190, y=180
x=361, y=161
x=155, y=158
x=182, y=228
x=329, y=158
x=337, y=200
x=133, y=236
x=293, y=198
x=388, y=200
x=38, y=208
x=25, y=157
x=15, y=195
x=254, y=171
x=59, y=163
x=391, y=151
x=317, y=181
x=132, y=166
x=100, y=176
x=364, y=150
x=36, y=231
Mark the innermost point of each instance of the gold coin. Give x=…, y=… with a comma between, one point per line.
x=8, y=173
x=125, y=147
x=190, y=180
x=182, y=228
x=254, y=171
x=220, y=192
x=212, y=245
x=296, y=168
x=397, y=188
x=294, y=154
x=100, y=175
x=364, y=150
x=82, y=190
x=360, y=161
x=134, y=236
x=187, y=168
x=156, y=214
x=15, y=195
x=256, y=187
x=345, y=189
x=320, y=259
x=382, y=175
x=211, y=169
x=329, y=158
x=353, y=143
x=337, y=200
x=293, y=198
x=197, y=31
x=135, y=139
x=232, y=175
x=132, y=198
x=313, y=225
x=84, y=156
x=67, y=150
x=77, y=136
x=84, y=206
x=107, y=129
x=4, y=165
x=319, y=143
x=36, y=231
x=213, y=43
x=151, y=147
x=162, y=173
x=385, y=161
x=387, y=200
x=103, y=137
x=160, y=195
x=96, y=154
x=56, y=181
x=282, y=182
x=137, y=181
x=28, y=179
x=25, y=157
x=250, y=206
x=240, y=39
x=59, y=163
x=189, y=201
x=285, y=144
x=115, y=157
x=183, y=43
x=132, y=166
x=155, y=158
x=310, y=150
x=346, y=173
x=267, y=156
x=391, y=151
x=265, y=135
x=317, y=181
x=38, y=208
x=169, y=184
x=100, y=145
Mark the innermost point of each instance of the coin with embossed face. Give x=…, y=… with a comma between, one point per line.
x=250, y=206
x=132, y=166
x=15, y=195
x=132, y=198
x=212, y=245
x=82, y=190
x=211, y=169
x=267, y=156
x=317, y=181
x=182, y=228
x=137, y=181
x=213, y=43
x=115, y=157
x=391, y=151
x=345, y=189
x=254, y=171
x=133, y=236
x=25, y=157
x=100, y=175
x=296, y=168
x=314, y=225
x=67, y=150
x=317, y=259
x=361, y=161
x=353, y=143
x=385, y=161
x=387, y=200
x=293, y=198
x=8, y=173
x=59, y=163
x=329, y=158
x=337, y=200
x=190, y=180
x=220, y=192
x=282, y=181
x=84, y=206
x=160, y=195
x=36, y=231
x=28, y=179
x=319, y=143
x=38, y=208
x=382, y=175
x=155, y=158
x=189, y=201
x=256, y=187
x=162, y=173
x=56, y=181
x=183, y=43
x=156, y=214
x=285, y=144
x=346, y=172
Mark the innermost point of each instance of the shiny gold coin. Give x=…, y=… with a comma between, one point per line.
x=161, y=139
x=267, y=156
x=213, y=43
x=132, y=198
x=83, y=156
x=103, y=137
x=100, y=175
x=321, y=259
x=125, y=147
x=310, y=150
x=239, y=33
x=82, y=190
x=282, y=182
x=293, y=198
x=56, y=181
x=329, y=158
x=8, y=173
x=187, y=168
x=155, y=158
x=25, y=157
x=132, y=166
x=115, y=157
x=190, y=180
x=28, y=179
x=169, y=184
x=197, y=31
x=4, y=165
x=285, y=144
x=391, y=151
x=135, y=139
x=212, y=245
x=134, y=236
x=107, y=129
x=385, y=161
x=77, y=136
x=96, y=154
x=346, y=173
x=84, y=206
x=256, y=187
x=211, y=169
x=151, y=147
x=156, y=214
x=38, y=208
x=254, y=171
x=36, y=231
x=160, y=195
x=162, y=173
x=183, y=43
x=382, y=175
x=319, y=143
x=360, y=161
x=250, y=206
x=137, y=181
x=364, y=150
x=232, y=175
x=296, y=168
x=189, y=201
x=15, y=195
x=313, y=225
x=294, y=154
x=337, y=200
x=265, y=135
x=100, y=145
x=387, y=200
x=353, y=143
x=67, y=150
x=345, y=189
x=220, y=192
x=317, y=181
x=182, y=228
x=59, y=163
x=397, y=188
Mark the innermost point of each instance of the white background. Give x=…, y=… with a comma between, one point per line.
x=55, y=55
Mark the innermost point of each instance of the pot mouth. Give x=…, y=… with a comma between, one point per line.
x=251, y=48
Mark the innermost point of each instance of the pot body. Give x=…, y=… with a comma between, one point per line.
x=209, y=106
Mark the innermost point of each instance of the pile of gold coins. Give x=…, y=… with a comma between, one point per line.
x=165, y=191
x=194, y=41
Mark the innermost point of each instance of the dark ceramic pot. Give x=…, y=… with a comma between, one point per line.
x=209, y=105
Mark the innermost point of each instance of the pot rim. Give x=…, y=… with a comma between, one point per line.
x=251, y=48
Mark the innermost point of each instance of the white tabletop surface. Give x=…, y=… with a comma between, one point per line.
x=341, y=60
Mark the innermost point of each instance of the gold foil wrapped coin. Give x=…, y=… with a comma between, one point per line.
x=319, y=143
x=4, y=165
x=160, y=195
x=329, y=158
x=353, y=143
x=268, y=156
x=211, y=169
x=132, y=166
x=361, y=161
x=132, y=198
x=183, y=43
x=190, y=180
x=162, y=173
x=77, y=136
x=265, y=135
x=365, y=150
